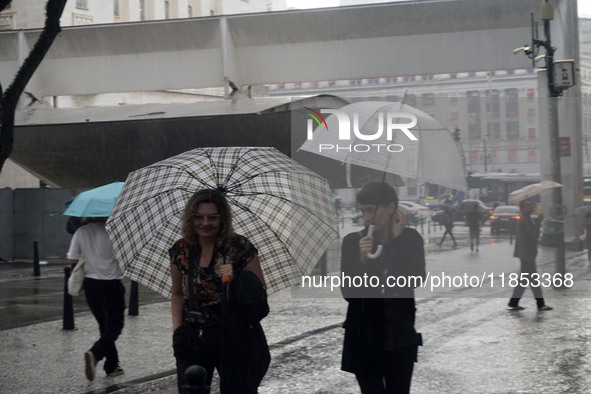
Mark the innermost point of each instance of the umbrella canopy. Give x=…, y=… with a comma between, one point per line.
x=98, y=202
x=283, y=208
x=433, y=157
x=531, y=190
x=582, y=210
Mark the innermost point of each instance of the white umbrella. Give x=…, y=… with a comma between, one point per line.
x=433, y=157
x=531, y=190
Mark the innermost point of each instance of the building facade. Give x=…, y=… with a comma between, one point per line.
x=30, y=14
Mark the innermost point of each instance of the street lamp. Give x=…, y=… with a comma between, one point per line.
x=553, y=229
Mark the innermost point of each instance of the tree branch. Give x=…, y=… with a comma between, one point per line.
x=9, y=100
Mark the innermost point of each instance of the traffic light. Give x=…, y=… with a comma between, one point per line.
x=456, y=134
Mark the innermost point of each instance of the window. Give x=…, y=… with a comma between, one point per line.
x=494, y=130
x=474, y=130
x=512, y=130
x=531, y=93
x=531, y=133
x=116, y=8
x=531, y=155
x=82, y=4
x=512, y=155
x=428, y=99
x=531, y=113
x=167, y=10
x=190, y=12
x=511, y=94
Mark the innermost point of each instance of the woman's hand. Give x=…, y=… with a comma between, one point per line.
x=224, y=270
x=398, y=222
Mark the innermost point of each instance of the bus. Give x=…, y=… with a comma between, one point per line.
x=495, y=188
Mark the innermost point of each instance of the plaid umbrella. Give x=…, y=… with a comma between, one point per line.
x=283, y=208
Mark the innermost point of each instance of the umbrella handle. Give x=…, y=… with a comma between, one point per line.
x=378, y=251
x=226, y=280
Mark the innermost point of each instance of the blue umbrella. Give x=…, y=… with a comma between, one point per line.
x=98, y=202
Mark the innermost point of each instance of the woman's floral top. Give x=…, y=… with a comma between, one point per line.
x=207, y=284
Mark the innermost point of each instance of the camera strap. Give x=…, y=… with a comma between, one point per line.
x=191, y=276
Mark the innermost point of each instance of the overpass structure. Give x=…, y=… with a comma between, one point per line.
x=82, y=147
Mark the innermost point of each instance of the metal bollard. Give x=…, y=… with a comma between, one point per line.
x=196, y=380
x=68, y=318
x=133, y=299
x=36, y=268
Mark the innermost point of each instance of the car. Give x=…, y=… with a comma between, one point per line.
x=419, y=210
x=504, y=217
x=462, y=208
x=411, y=217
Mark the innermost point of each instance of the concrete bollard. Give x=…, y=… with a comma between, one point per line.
x=323, y=270
x=68, y=318
x=36, y=267
x=134, y=299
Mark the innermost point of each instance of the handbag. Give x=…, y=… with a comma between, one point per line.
x=76, y=280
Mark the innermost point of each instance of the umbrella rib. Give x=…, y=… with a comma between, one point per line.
x=233, y=169
x=215, y=168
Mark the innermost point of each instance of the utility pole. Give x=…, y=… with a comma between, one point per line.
x=553, y=226
x=485, y=156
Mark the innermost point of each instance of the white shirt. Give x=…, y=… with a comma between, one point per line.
x=92, y=241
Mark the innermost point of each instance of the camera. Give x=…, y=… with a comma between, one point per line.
x=195, y=317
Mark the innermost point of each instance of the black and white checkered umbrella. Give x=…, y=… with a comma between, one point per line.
x=283, y=208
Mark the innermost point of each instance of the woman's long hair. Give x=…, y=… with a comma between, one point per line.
x=207, y=196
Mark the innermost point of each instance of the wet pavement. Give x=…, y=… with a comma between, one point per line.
x=472, y=344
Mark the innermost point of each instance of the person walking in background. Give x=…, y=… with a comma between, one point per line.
x=209, y=324
x=474, y=221
x=587, y=225
x=105, y=294
x=527, y=233
x=381, y=344
x=448, y=223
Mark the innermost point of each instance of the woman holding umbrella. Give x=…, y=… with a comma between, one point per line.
x=209, y=266
x=381, y=343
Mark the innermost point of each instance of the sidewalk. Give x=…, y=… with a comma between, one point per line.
x=42, y=358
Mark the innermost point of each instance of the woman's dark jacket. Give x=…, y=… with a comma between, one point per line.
x=380, y=318
x=245, y=355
